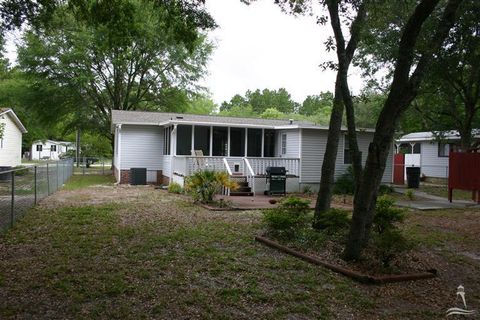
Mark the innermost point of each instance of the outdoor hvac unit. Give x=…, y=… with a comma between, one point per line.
x=138, y=176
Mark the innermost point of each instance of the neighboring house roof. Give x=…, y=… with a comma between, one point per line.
x=430, y=136
x=65, y=143
x=164, y=118
x=14, y=118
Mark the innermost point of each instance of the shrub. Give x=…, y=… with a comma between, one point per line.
x=386, y=215
x=410, y=194
x=291, y=214
x=388, y=245
x=345, y=184
x=204, y=184
x=333, y=221
x=307, y=190
x=174, y=187
x=387, y=241
x=385, y=189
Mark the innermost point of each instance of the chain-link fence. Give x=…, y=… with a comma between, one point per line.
x=22, y=188
x=93, y=166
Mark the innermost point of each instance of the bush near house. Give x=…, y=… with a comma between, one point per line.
x=174, y=187
x=205, y=184
x=290, y=216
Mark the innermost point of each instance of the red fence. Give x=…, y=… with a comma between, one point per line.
x=464, y=173
x=399, y=169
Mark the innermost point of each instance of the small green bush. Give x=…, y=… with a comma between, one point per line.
x=333, y=221
x=288, y=217
x=307, y=190
x=386, y=215
x=174, y=187
x=388, y=245
x=385, y=189
x=345, y=184
x=387, y=240
x=410, y=194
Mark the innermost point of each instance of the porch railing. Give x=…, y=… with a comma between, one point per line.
x=259, y=165
x=250, y=175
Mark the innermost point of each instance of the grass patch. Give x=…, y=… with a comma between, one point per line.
x=83, y=181
x=442, y=191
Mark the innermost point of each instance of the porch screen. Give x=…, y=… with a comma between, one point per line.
x=202, y=139
x=269, y=143
x=220, y=141
x=237, y=142
x=184, y=140
x=254, y=143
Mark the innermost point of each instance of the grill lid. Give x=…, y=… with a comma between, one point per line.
x=276, y=171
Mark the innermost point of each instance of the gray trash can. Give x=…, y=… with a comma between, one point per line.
x=413, y=177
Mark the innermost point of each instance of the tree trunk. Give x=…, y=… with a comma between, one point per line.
x=403, y=90
x=328, y=167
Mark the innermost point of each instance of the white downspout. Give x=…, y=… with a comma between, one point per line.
x=119, y=154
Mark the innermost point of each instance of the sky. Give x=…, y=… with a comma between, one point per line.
x=258, y=46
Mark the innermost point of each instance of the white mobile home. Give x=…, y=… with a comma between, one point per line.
x=425, y=150
x=49, y=149
x=170, y=146
x=11, y=142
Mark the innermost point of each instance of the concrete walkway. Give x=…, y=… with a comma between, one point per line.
x=425, y=201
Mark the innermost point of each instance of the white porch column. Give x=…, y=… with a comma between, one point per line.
x=193, y=139
x=246, y=142
x=228, y=142
x=211, y=141
x=263, y=141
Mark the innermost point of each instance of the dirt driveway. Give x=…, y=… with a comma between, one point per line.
x=137, y=252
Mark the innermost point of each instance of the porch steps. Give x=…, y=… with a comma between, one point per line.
x=243, y=190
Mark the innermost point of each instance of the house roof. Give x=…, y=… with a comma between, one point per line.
x=67, y=143
x=14, y=117
x=164, y=118
x=433, y=135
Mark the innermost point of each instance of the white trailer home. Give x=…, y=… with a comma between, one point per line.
x=170, y=146
x=425, y=150
x=49, y=149
x=11, y=142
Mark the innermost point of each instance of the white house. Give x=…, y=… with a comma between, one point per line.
x=172, y=146
x=425, y=150
x=49, y=149
x=11, y=142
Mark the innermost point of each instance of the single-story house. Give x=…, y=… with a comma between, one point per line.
x=172, y=146
x=11, y=141
x=427, y=151
x=49, y=149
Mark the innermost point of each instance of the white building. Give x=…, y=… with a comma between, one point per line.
x=49, y=149
x=171, y=146
x=425, y=150
x=11, y=142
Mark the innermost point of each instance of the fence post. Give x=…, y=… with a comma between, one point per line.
x=12, y=209
x=58, y=176
x=103, y=167
x=84, y=165
x=35, y=184
x=48, y=181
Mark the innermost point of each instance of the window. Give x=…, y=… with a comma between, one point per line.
x=254, y=143
x=202, y=139
x=444, y=149
x=39, y=147
x=417, y=148
x=167, y=133
x=269, y=143
x=184, y=140
x=53, y=148
x=284, y=143
x=237, y=142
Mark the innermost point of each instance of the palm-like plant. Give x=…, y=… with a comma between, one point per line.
x=204, y=184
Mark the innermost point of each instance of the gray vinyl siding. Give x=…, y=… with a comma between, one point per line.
x=313, y=151
x=141, y=147
x=293, y=143
x=431, y=164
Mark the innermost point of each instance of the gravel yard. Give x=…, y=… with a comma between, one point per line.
x=109, y=251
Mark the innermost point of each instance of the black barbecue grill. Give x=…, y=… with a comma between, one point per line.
x=276, y=179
